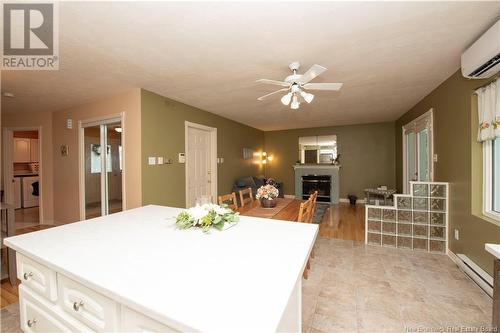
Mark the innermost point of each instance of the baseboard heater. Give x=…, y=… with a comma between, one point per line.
x=476, y=273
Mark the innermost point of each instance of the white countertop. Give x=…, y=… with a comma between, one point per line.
x=494, y=249
x=236, y=280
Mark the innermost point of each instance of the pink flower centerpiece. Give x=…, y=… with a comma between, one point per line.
x=267, y=195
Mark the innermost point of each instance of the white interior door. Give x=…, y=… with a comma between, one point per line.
x=200, y=163
x=418, y=151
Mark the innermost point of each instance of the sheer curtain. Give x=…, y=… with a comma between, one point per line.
x=489, y=111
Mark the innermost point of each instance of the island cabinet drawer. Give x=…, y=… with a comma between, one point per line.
x=133, y=321
x=38, y=315
x=88, y=306
x=38, y=277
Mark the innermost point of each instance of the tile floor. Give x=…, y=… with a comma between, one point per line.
x=358, y=288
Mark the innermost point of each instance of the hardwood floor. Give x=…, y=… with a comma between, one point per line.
x=343, y=221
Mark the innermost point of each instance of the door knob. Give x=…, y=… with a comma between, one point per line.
x=31, y=322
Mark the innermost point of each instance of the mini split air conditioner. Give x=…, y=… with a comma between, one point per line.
x=482, y=59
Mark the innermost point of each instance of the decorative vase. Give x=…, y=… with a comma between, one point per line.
x=267, y=203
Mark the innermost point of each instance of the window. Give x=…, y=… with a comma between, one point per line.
x=491, y=175
x=318, y=149
x=95, y=159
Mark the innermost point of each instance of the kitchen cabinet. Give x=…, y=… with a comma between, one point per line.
x=22, y=152
x=34, y=151
x=25, y=150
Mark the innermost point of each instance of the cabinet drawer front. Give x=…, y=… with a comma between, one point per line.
x=133, y=321
x=38, y=277
x=38, y=315
x=91, y=308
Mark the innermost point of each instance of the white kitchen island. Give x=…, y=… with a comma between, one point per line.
x=135, y=272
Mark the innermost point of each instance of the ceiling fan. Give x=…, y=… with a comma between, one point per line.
x=296, y=84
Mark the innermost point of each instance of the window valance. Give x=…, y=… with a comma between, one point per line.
x=488, y=98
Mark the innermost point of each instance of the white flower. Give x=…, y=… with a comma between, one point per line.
x=197, y=212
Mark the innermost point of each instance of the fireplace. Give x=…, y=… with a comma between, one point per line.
x=320, y=183
x=325, y=174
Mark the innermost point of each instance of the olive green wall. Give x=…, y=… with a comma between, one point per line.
x=367, y=155
x=454, y=136
x=162, y=122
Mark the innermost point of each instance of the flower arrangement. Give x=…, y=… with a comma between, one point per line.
x=206, y=216
x=268, y=192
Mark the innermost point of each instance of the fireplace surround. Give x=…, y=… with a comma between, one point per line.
x=317, y=177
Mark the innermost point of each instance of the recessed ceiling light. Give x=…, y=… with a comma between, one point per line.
x=8, y=94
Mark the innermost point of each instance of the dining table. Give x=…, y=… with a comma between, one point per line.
x=287, y=209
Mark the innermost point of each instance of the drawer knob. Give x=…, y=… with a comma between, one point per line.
x=77, y=305
x=26, y=276
x=31, y=322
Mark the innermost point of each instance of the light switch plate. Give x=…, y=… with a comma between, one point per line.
x=160, y=160
x=435, y=158
x=182, y=158
x=151, y=160
x=457, y=234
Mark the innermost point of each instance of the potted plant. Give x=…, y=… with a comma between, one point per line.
x=267, y=195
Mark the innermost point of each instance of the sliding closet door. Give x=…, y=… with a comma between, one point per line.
x=103, y=164
x=92, y=167
x=115, y=166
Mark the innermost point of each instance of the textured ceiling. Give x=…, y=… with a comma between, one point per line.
x=389, y=55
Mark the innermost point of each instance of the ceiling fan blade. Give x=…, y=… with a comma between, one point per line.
x=322, y=86
x=277, y=83
x=311, y=73
x=274, y=92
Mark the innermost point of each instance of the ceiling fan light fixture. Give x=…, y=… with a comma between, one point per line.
x=286, y=99
x=295, y=103
x=307, y=96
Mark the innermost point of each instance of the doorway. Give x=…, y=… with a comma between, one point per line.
x=22, y=175
x=418, y=150
x=201, y=163
x=101, y=171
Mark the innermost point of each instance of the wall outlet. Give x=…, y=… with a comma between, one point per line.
x=457, y=234
x=151, y=160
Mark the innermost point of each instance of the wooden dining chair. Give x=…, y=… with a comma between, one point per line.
x=306, y=214
x=305, y=211
x=229, y=200
x=314, y=197
x=249, y=196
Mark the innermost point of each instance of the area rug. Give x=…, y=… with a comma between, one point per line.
x=320, y=212
x=10, y=319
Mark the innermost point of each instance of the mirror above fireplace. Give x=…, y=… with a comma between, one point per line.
x=318, y=149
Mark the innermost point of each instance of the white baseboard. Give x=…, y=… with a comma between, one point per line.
x=359, y=201
x=473, y=271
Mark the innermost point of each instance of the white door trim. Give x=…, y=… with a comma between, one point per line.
x=213, y=159
x=8, y=170
x=96, y=121
x=414, y=126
